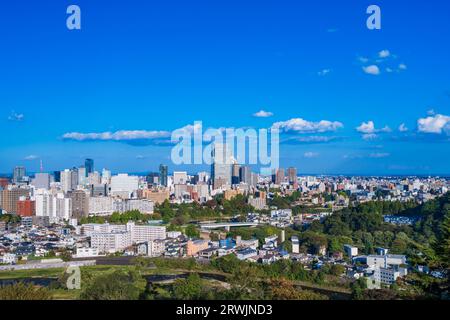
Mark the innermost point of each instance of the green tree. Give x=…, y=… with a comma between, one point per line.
x=22, y=291
x=188, y=289
x=118, y=285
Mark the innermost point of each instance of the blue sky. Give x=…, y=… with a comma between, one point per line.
x=161, y=65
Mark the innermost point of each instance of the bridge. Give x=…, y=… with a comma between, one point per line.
x=227, y=225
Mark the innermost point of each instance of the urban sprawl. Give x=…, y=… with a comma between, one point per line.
x=74, y=216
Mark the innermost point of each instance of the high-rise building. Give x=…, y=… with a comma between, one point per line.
x=10, y=197
x=74, y=178
x=89, y=165
x=57, y=176
x=180, y=177
x=163, y=173
x=123, y=184
x=106, y=176
x=235, y=174
x=26, y=207
x=245, y=174
x=82, y=175
x=66, y=180
x=41, y=181
x=279, y=176
x=19, y=174
x=4, y=182
x=80, y=204
x=292, y=175
x=221, y=166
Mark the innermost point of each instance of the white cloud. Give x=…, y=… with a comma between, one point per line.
x=324, y=72
x=373, y=70
x=402, y=128
x=263, y=114
x=303, y=126
x=31, y=157
x=384, y=54
x=389, y=70
x=369, y=128
x=16, y=116
x=123, y=135
x=431, y=112
x=434, y=124
x=402, y=66
x=379, y=155
x=311, y=154
x=366, y=127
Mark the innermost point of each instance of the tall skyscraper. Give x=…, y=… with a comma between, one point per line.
x=57, y=176
x=221, y=166
x=19, y=174
x=89, y=165
x=66, y=180
x=245, y=174
x=278, y=177
x=292, y=174
x=235, y=174
x=41, y=181
x=82, y=175
x=163, y=173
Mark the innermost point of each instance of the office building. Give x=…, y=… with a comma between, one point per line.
x=80, y=203
x=66, y=180
x=235, y=174
x=19, y=174
x=245, y=174
x=123, y=184
x=180, y=177
x=10, y=197
x=292, y=176
x=221, y=166
x=163, y=174
x=89, y=165
x=26, y=207
x=41, y=181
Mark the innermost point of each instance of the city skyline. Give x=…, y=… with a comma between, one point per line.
x=348, y=100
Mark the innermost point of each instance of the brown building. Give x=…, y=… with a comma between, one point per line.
x=11, y=197
x=292, y=175
x=80, y=204
x=4, y=182
x=26, y=208
x=158, y=196
x=279, y=176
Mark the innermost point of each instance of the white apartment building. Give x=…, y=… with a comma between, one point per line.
x=145, y=233
x=66, y=180
x=386, y=260
x=388, y=275
x=123, y=183
x=101, y=206
x=143, y=205
x=55, y=206
x=91, y=228
x=111, y=242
